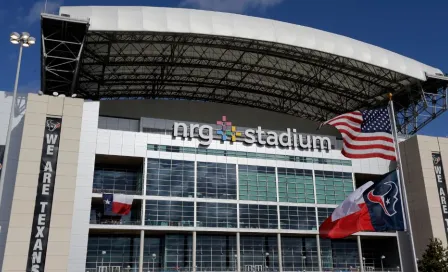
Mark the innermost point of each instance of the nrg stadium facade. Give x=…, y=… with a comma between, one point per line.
x=209, y=120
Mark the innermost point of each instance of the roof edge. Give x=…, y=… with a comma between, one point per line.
x=180, y=20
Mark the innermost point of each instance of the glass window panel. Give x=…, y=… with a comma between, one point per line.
x=177, y=252
x=217, y=215
x=169, y=213
x=260, y=179
x=323, y=213
x=259, y=253
x=216, y=180
x=299, y=254
x=258, y=216
x=294, y=181
x=217, y=152
x=334, y=185
x=116, y=180
x=339, y=254
x=111, y=250
x=298, y=218
x=216, y=253
x=170, y=178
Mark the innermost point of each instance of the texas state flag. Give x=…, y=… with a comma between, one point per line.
x=117, y=204
x=375, y=206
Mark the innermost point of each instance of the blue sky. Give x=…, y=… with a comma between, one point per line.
x=414, y=28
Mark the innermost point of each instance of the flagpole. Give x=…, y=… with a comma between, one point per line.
x=402, y=183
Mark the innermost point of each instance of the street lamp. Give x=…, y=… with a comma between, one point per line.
x=266, y=260
x=24, y=40
x=363, y=263
x=303, y=262
x=102, y=258
x=153, y=261
x=382, y=258
x=236, y=261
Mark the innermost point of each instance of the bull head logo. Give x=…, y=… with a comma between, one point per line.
x=52, y=125
x=387, y=199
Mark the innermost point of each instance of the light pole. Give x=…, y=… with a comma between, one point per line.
x=382, y=258
x=102, y=258
x=153, y=261
x=23, y=40
x=266, y=261
x=303, y=263
x=236, y=262
x=363, y=263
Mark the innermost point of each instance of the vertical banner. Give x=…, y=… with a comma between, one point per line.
x=44, y=197
x=441, y=187
x=2, y=153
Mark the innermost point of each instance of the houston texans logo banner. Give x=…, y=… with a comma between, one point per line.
x=375, y=206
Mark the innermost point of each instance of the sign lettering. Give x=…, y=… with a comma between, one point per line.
x=44, y=197
x=226, y=131
x=441, y=187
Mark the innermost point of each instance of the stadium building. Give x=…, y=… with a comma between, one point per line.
x=209, y=121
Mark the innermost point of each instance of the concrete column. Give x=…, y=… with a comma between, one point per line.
x=194, y=252
x=195, y=210
x=195, y=194
x=280, y=259
x=145, y=170
x=142, y=249
x=238, y=257
x=319, y=252
x=361, y=261
x=278, y=200
x=237, y=198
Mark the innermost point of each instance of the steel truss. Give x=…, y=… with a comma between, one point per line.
x=276, y=77
x=421, y=109
x=62, y=44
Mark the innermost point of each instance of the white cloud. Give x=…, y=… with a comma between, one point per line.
x=39, y=7
x=237, y=6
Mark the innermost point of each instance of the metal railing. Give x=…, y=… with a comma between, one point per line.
x=247, y=268
x=117, y=191
x=114, y=222
x=135, y=269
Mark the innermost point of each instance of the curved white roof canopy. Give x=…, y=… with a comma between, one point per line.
x=177, y=20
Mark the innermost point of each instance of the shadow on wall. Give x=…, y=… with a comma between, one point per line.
x=20, y=107
x=11, y=169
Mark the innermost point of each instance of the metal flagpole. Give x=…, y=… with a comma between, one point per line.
x=402, y=183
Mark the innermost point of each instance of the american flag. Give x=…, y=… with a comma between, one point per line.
x=366, y=134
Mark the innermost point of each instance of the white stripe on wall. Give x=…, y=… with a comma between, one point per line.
x=83, y=191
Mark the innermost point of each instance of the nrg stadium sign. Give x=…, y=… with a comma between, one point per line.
x=227, y=132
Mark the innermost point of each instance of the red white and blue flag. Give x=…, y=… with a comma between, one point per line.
x=118, y=204
x=366, y=134
x=375, y=206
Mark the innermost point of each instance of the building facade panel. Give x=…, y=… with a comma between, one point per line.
x=25, y=193
x=424, y=197
x=221, y=207
x=84, y=185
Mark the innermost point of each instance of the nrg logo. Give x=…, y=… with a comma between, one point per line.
x=227, y=130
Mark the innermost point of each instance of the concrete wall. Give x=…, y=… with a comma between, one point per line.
x=11, y=170
x=421, y=187
x=83, y=190
x=18, y=238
